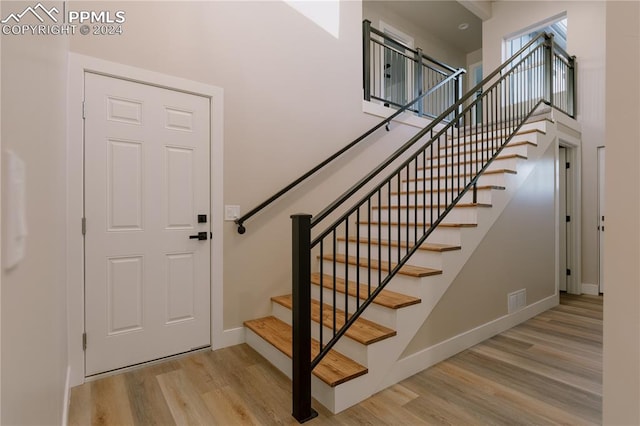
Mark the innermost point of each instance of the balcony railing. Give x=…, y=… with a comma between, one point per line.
x=395, y=73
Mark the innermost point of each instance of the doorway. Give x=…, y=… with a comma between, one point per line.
x=563, y=270
x=397, y=72
x=147, y=209
x=475, y=77
x=79, y=66
x=601, y=216
x=569, y=223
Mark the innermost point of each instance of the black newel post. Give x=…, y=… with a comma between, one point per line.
x=301, y=371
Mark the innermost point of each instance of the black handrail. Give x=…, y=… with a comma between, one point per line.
x=240, y=221
x=454, y=157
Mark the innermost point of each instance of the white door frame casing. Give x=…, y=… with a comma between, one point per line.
x=574, y=205
x=601, y=154
x=78, y=65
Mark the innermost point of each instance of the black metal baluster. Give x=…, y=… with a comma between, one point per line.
x=399, y=197
x=399, y=223
x=346, y=269
x=358, y=257
x=408, y=219
x=321, y=289
x=415, y=199
x=335, y=251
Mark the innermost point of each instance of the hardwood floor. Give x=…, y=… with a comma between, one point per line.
x=545, y=371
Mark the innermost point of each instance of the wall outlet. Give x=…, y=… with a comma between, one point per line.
x=516, y=300
x=231, y=212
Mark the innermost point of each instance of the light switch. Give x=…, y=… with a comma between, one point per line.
x=231, y=212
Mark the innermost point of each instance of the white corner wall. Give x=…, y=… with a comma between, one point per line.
x=586, y=40
x=621, y=362
x=33, y=303
x=518, y=252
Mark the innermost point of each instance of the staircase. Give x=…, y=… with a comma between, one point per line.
x=356, y=367
x=369, y=268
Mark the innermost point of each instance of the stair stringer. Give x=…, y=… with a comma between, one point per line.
x=430, y=290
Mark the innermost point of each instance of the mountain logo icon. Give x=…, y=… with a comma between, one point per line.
x=39, y=11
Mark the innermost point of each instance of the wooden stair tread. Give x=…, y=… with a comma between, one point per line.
x=409, y=270
x=334, y=368
x=479, y=188
x=460, y=163
x=443, y=206
x=362, y=330
x=387, y=298
x=487, y=172
x=441, y=225
x=425, y=246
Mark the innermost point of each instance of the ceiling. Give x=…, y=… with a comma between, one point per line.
x=441, y=18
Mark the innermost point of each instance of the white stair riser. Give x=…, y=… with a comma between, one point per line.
x=401, y=283
x=470, y=153
x=376, y=313
x=493, y=179
x=323, y=393
x=499, y=135
x=483, y=197
x=346, y=346
x=425, y=258
x=457, y=169
x=420, y=215
x=440, y=235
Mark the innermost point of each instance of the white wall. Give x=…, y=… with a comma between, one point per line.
x=474, y=57
x=502, y=264
x=586, y=40
x=293, y=95
x=33, y=298
x=622, y=236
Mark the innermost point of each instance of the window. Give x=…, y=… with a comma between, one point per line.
x=525, y=77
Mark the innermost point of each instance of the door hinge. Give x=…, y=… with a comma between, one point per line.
x=84, y=114
x=84, y=341
x=84, y=226
x=568, y=272
x=568, y=218
x=568, y=165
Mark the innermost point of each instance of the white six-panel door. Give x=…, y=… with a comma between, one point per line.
x=147, y=283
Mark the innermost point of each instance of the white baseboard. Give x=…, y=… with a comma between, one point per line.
x=234, y=336
x=230, y=337
x=592, y=289
x=428, y=357
x=67, y=398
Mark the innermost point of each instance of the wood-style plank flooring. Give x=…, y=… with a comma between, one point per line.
x=545, y=371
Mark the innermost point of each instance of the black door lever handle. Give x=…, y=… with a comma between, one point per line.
x=199, y=236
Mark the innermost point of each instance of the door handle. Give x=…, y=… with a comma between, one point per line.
x=199, y=236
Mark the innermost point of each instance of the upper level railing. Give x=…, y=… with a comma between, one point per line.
x=393, y=73
x=378, y=232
